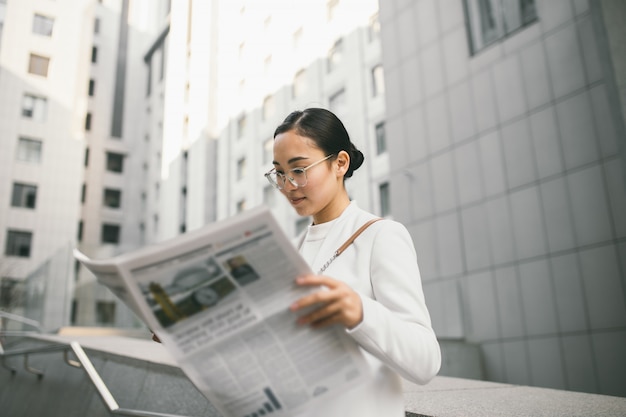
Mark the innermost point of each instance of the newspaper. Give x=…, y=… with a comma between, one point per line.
x=218, y=299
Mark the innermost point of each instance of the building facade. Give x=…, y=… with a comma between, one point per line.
x=43, y=52
x=508, y=132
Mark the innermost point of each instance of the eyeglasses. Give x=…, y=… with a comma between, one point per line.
x=296, y=176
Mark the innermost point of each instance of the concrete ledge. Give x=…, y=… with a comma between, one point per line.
x=455, y=397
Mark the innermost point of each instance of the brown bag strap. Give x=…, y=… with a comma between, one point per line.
x=354, y=236
x=346, y=244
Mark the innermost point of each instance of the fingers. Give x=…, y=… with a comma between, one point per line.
x=336, y=304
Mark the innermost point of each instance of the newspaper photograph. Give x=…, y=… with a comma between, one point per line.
x=218, y=300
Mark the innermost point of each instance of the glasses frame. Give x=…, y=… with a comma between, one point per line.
x=292, y=180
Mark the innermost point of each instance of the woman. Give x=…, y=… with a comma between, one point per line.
x=373, y=289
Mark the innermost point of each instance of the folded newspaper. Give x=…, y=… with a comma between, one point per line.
x=218, y=299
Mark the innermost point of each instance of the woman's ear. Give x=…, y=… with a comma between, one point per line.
x=343, y=162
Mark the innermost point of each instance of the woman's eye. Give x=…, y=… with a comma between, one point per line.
x=297, y=171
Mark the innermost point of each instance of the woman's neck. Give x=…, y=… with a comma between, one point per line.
x=333, y=210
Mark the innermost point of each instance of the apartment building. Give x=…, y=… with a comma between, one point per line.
x=43, y=89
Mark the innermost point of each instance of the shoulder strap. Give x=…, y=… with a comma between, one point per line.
x=355, y=235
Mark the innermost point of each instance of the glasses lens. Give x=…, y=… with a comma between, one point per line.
x=299, y=177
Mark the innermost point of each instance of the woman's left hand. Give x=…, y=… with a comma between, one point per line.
x=337, y=303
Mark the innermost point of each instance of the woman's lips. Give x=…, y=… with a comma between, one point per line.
x=296, y=200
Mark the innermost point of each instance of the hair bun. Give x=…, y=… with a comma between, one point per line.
x=356, y=160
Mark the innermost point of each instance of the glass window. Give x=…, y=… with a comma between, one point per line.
x=268, y=108
x=299, y=84
x=92, y=87
x=334, y=55
x=34, y=107
x=373, y=30
x=94, y=54
x=268, y=151
x=24, y=195
x=110, y=233
x=96, y=25
x=241, y=205
x=42, y=25
x=378, y=80
x=88, y=122
x=80, y=231
x=297, y=38
x=12, y=291
x=18, y=243
x=383, y=194
x=38, y=65
x=29, y=150
x=331, y=8
x=112, y=198
x=241, y=168
x=105, y=312
x=115, y=162
x=490, y=20
x=337, y=100
x=381, y=139
x=241, y=126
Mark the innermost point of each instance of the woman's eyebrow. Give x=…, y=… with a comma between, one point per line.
x=292, y=160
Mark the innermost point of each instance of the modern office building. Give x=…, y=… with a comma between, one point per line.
x=507, y=164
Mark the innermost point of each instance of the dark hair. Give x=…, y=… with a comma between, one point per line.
x=326, y=130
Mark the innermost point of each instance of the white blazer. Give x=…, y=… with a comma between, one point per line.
x=395, y=335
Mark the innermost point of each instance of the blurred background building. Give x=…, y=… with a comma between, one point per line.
x=493, y=129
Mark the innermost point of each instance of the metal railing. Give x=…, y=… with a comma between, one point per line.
x=82, y=361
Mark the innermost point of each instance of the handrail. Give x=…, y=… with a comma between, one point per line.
x=85, y=363
x=23, y=320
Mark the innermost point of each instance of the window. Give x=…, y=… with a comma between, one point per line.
x=29, y=150
x=92, y=87
x=381, y=140
x=105, y=312
x=96, y=26
x=18, y=243
x=241, y=168
x=80, y=231
x=267, y=65
x=42, y=25
x=83, y=193
x=110, y=233
x=299, y=84
x=34, y=107
x=268, y=151
x=12, y=291
x=378, y=80
x=86, y=157
x=241, y=205
x=334, y=55
x=112, y=198
x=490, y=20
x=331, y=8
x=337, y=100
x=38, y=65
x=268, y=108
x=297, y=38
x=383, y=195
x=373, y=30
x=24, y=195
x=94, y=54
x=88, y=122
x=241, y=126
x=115, y=162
